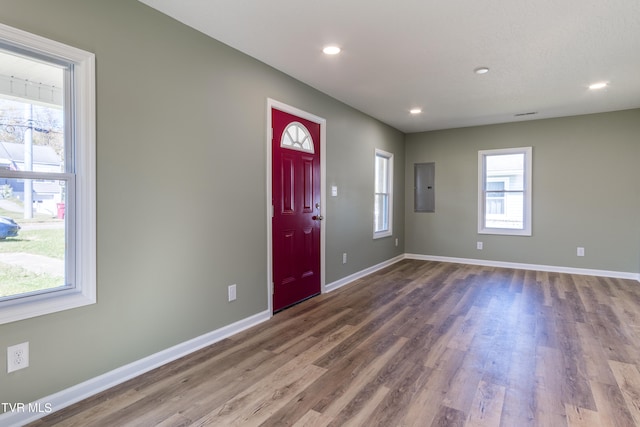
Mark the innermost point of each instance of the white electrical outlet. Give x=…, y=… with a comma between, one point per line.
x=344, y=258
x=232, y=292
x=396, y=242
x=479, y=246
x=17, y=357
x=580, y=251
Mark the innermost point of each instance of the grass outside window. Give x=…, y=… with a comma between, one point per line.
x=46, y=242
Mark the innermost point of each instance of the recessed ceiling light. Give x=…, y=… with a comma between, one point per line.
x=415, y=111
x=331, y=50
x=598, y=85
x=481, y=70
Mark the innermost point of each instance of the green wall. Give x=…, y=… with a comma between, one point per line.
x=586, y=192
x=181, y=165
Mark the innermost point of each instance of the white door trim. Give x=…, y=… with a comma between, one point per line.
x=272, y=103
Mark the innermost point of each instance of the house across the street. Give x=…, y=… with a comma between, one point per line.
x=46, y=193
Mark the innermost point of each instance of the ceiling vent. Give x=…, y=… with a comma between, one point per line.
x=530, y=113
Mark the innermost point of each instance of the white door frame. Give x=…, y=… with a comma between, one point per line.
x=272, y=103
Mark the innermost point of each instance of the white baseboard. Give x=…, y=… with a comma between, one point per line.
x=521, y=266
x=55, y=402
x=355, y=276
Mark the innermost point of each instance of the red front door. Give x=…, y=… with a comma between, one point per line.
x=296, y=208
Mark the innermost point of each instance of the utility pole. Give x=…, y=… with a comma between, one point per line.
x=28, y=162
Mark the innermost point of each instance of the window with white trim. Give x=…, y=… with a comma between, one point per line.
x=47, y=176
x=504, y=191
x=383, y=197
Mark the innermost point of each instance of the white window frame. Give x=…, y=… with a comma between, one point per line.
x=527, y=192
x=81, y=209
x=389, y=157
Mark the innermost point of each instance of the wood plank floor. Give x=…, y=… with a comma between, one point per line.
x=419, y=343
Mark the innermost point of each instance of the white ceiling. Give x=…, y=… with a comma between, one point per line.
x=397, y=55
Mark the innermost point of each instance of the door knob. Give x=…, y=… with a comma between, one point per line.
x=317, y=217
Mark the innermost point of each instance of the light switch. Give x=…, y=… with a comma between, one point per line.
x=334, y=191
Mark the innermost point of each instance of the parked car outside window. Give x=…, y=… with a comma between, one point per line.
x=8, y=227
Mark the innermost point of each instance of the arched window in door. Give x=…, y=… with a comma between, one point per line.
x=297, y=137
